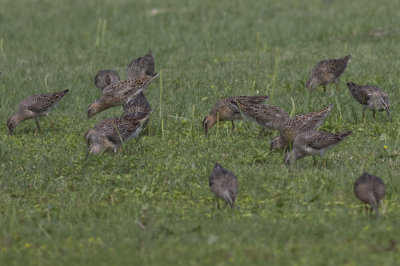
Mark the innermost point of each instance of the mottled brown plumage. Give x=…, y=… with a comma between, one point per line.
x=104, y=78
x=224, y=111
x=139, y=104
x=370, y=190
x=224, y=185
x=34, y=106
x=371, y=97
x=313, y=143
x=140, y=67
x=111, y=133
x=119, y=93
x=268, y=116
x=300, y=123
x=327, y=71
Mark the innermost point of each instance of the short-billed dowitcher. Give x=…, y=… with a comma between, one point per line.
x=299, y=123
x=224, y=185
x=224, y=111
x=371, y=97
x=34, y=106
x=370, y=190
x=110, y=133
x=140, y=67
x=327, y=71
x=268, y=116
x=104, y=78
x=119, y=93
x=313, y=143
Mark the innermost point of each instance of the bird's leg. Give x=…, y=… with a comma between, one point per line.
x=261, y=132
x=374, y=114
x=233, y=126
x=216, y=198
x=324, y=162
x=363, y=115
x=337, y=87
x=315, y=161
x=324, y=88
x=37, y=126
x=52, y=123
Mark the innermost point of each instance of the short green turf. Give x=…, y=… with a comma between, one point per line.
x=150, y=204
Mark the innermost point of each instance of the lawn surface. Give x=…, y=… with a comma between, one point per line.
x=150, y=204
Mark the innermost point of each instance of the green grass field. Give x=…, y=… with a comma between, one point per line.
x=151, y=204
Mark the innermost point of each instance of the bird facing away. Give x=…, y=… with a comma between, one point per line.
x=224, y=111
x=370, y=190
x=268, y=116
x=313, y=143
x=140, y=67
x=111, y=133
x=299, y=123
x=139, y=104
x=371, y=97
x=34, y=106
x=104, y=78
x=327, y=71
x=119, y=93
x=224, y=185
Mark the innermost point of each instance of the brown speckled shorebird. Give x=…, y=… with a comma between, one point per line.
x=139, y=104
x=110, y=133
x=119, y=93
x=313, y=143
x=370, y=190
x=300, y=123
x=268, y=116
x=224, y=111
x=327, y=71
x=34, y=106
x=104, y=78
x=224, y=185
x=140, y=67
x=371, y=97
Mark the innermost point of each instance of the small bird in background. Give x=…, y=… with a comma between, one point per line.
x=267, y=116
x=327, y=71
x=313, y=143
x=119, y=93
x=34, y=106
x=111, y=133
x=371, y=97
x=370, y=190
x=224, y=111
x=224, y=185
x=140, y=67
x=299, y=123
x=104, y=78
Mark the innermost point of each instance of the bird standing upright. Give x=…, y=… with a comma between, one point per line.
x=224, y=185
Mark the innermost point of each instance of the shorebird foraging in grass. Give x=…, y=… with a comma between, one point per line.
x=224, y=111
x=313, y=143
x=268, y=116
x=139, y=104
x=300, y=123
x=224, y=185
x=140, y=67
x=370, y=190
x=104, y=78
x=371, y=97
x=327, y=71
x=119, y=93
x=34, y=106
x=111, y=133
